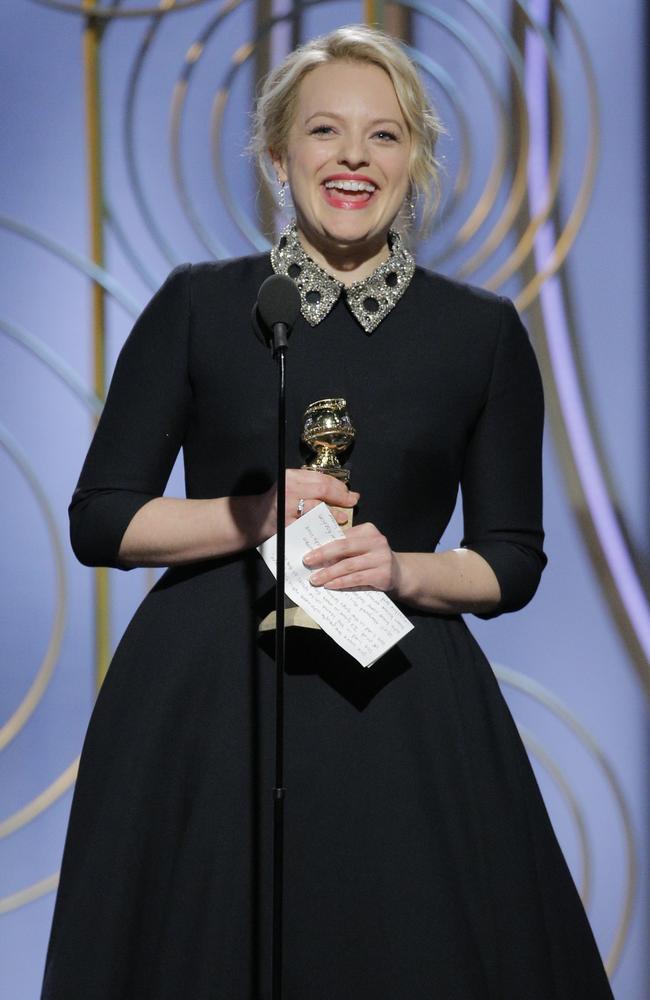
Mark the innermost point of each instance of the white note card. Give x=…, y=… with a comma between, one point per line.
x=365, y=623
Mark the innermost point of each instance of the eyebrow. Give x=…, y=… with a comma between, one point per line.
x=333, y=114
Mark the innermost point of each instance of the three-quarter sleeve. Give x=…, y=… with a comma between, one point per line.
x=501, y=481
x=141, y=428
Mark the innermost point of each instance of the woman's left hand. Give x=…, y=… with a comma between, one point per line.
x=361, y=560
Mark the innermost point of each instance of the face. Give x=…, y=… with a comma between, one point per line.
x=347, y=157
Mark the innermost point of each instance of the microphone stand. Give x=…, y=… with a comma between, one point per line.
x=278, y=297
x=280, y=335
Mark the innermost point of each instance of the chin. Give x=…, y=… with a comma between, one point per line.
x=352, y=230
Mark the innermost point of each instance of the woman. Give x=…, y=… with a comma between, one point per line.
x=419, y=858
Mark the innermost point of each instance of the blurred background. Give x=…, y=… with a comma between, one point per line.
x=124, y=128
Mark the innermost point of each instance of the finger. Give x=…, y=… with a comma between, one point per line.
x=294, y=509
x=367, y=579
x=366, y=530
x=344, y=567
x=355, y=581
x=329, y=553
x=355, y=542
x=333, y=491
x=353, y=575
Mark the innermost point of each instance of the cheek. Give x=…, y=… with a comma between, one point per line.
x=396, y=168
x=306, y=163
x=403, y=168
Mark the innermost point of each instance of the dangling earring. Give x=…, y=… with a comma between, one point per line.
x=410, y=213
x=282, y=194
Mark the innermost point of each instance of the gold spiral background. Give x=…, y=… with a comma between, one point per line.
x=480, y=219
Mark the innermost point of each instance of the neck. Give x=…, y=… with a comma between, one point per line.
x=347, y=262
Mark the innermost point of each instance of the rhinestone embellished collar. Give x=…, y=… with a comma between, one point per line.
x=369, y=300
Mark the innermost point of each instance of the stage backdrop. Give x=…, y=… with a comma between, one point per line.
x=124, y=133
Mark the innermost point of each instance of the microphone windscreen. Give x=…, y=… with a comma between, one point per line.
x=278, y=301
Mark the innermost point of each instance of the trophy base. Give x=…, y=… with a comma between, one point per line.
x=294, y=615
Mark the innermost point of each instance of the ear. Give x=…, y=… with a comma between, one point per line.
x=279, y=165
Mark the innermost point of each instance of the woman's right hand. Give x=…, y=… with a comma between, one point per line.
x=167, y=531
x=310, y=487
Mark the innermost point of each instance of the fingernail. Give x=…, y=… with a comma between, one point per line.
x=315, y=579
x=308, y=559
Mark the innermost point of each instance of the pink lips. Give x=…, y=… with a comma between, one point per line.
x=346, y=199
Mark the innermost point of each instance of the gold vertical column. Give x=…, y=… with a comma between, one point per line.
x=266, y=207
x=390, y=17
x=91, y=57
x=374, y=12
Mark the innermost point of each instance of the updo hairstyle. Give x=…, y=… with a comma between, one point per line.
x=276, y=106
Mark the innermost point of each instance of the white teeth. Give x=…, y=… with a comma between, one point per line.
x=351, y=186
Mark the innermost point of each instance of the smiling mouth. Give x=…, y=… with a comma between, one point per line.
x=344, y=193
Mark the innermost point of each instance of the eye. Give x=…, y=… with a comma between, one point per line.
x=386, y=136
x=321, y=130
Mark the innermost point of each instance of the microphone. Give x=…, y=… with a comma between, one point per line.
x=276, y=310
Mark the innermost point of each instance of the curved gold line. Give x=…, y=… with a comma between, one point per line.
x=44, y=674
x=557, y=150
x=178, y=100
x=568, y=235
x=28, y=895
x=490, y=191
x=110, y=14
x=514, y=201
x=488, y=195
x=216, y=118
x=517, y=193
x=534, y=746
x=579, y=501
x=463, y=174
x=129, y=142
x=519, y=187
x=539, y=693
x=41, y=802
x=179, y=96
x=216, y=131
x=268, y=208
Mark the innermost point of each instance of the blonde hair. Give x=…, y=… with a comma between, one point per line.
x=276, y=106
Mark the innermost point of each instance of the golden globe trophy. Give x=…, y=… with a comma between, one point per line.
x=328, y=431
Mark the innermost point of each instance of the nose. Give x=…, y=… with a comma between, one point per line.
x=353, y=152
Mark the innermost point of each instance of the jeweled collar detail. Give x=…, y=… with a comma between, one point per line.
x=370, y=300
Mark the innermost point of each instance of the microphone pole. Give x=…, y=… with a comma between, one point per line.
x=279, y=791
x=276, y=311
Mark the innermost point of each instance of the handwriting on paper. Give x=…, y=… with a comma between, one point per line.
x=365, y=623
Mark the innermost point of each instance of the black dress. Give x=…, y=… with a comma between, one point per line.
x=420, y=862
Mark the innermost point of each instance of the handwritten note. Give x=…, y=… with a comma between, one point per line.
x=365, y=623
